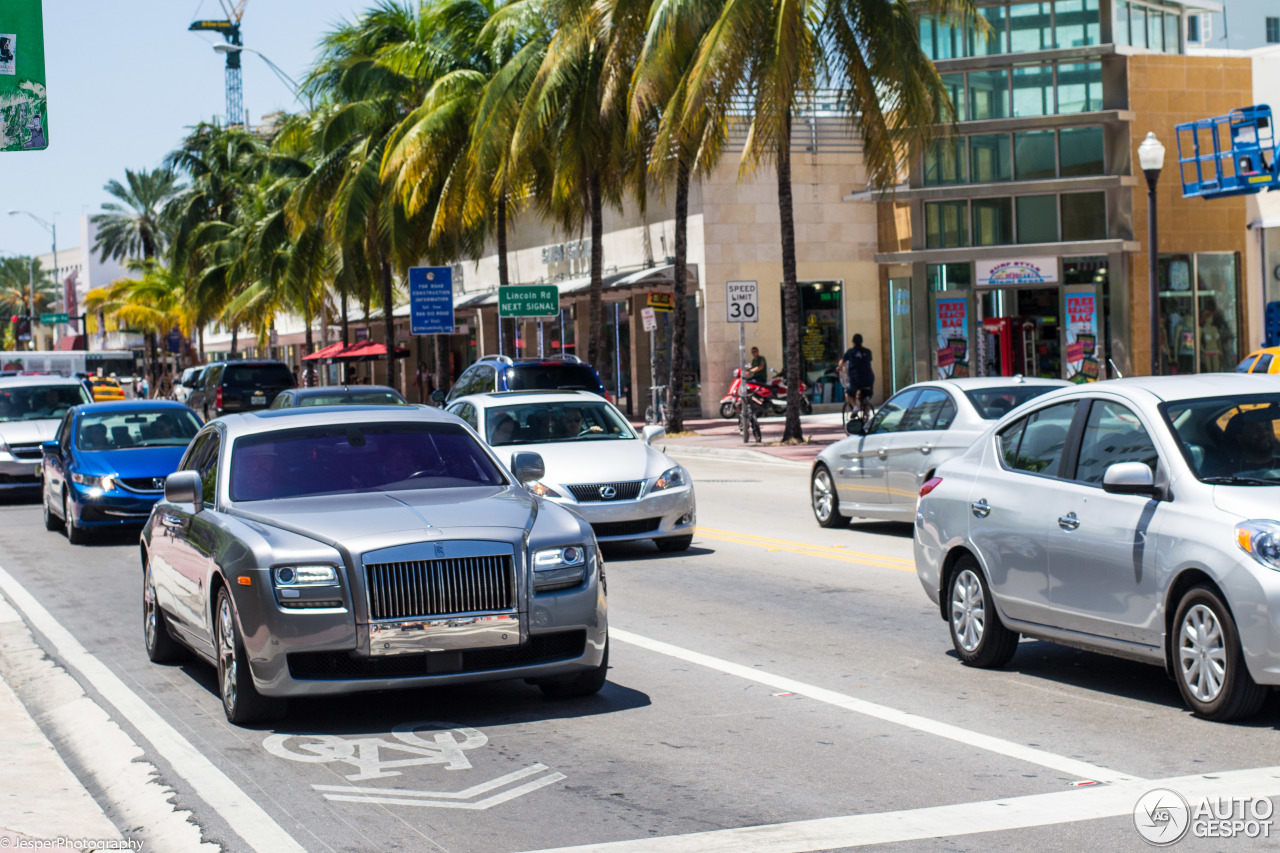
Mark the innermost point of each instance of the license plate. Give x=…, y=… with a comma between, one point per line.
x=259, y=399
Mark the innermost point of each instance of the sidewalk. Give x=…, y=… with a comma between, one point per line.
x=719, y=437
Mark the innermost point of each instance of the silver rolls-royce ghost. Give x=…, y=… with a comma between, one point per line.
x=340, y=549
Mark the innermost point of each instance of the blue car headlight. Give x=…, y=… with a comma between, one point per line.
x=1260, y=539
x=670, y=479
x=95, y=485
x=559, y=568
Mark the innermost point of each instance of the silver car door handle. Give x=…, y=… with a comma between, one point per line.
x=1068, y=521
x=174, y=521
x=882, y=452
x=925, y=448
x=981, y=508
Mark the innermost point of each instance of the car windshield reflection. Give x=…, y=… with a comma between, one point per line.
x=544, y=422
x=40, y=402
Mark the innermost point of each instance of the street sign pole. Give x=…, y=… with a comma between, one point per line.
x=742, y=305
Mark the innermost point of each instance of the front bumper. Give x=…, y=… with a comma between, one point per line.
x=116, y=508
x=671, y=512
x=17, y=473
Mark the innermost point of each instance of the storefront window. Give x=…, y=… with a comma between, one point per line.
x=1084, y=216
x=992, y=221
x=943, y=277
x=689, y=386
x=1082, y=152
x=1032, y=90
x=1030, y=27
x=1038, y=219
x=997, y=40
x=1076, y=23
x=1198, y=312
x=990, y=160
x=821, y=337
x=1033, y=155
x=902, y=366
x=989, y=94
x=946, y=224
x=944, y=163
x=1079, y=87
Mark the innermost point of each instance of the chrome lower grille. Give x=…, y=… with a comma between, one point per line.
x=143, y=484
x=27, y=452
x=606, y=491
x=439, y=587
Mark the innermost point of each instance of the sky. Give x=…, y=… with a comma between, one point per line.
x=125, y=80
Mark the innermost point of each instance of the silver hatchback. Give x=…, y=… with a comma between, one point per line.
x=1135, y=517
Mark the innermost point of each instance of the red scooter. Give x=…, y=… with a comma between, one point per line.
x=774, y=395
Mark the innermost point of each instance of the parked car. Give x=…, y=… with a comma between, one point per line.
x=877, y=474
x=31, y=407
x=1266, y=360
x=106, y=389
x=239, y=386
x=501, y=373
x=187, y=382
x=319, y=551
x=107, y=463
x=595, y=463
x=339, y=395
x=1134, y=517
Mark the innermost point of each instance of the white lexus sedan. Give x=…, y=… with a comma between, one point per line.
x=595, y=462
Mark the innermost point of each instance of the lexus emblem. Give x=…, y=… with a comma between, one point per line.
x=439, y=549
x=608, y=493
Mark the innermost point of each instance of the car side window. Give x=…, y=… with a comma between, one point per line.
x=484, y=380
x=933, y=409
x=209, y=470
x=463, y=386
x=1263, y=364
x=889, y=417
x=1113, y=434
x=64, y=432
x=468, y=414
x=1041, y=437
x=1243, y=367
x=195, y=453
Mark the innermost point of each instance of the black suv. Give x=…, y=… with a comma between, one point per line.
x=239, y=386
x=551, y=373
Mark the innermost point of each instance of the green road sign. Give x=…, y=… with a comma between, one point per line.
x=24, y=109
x=51, y=319
x=532, y=300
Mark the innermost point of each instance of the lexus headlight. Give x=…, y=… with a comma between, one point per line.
x=1261, y=538
x=542, y=490
x=671, y=478
x=559, y=568
x=104, y=484
x=294, y=576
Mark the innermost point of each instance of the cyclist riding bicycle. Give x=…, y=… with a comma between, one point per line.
x=855, y=365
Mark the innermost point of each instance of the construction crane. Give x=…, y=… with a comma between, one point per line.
x=230, y=29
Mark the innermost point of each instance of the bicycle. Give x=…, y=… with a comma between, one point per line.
x=862, y=411
x=657, y=410
x=748, y=411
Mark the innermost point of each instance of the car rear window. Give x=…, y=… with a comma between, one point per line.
x=553, y=375
x=994, y=403
x=257, y=375
x=347, y=458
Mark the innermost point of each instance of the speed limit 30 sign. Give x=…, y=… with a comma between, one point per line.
x=742, y=301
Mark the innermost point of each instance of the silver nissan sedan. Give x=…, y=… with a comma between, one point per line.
x=350, y=548
x=1135, y=517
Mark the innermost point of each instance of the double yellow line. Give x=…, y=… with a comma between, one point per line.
x=829, y=552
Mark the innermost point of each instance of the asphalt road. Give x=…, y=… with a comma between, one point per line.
x=777, y=675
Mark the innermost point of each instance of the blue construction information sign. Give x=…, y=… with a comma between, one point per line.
x=431, y=300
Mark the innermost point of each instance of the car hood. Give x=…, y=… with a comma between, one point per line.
x=132, y=462
x=593, y=461
x=1248, y=501
x=29, y=432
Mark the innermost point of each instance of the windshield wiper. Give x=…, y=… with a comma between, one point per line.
x=1232, y=480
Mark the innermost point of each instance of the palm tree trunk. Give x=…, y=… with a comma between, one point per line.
x=389, y=325
x=235, y=338
x=443, y=379
x=503, y=280
x=595, y=328
x=790, y=287
x=675, y=376
x=346, y=340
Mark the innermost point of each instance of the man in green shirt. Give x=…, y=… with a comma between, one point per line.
x=758, y=370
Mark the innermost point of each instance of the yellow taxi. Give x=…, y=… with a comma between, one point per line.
x=106, y=389
x=1261, y=361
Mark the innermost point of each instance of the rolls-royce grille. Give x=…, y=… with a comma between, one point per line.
x=26, y=452
x=606, y=492
x=439, y=587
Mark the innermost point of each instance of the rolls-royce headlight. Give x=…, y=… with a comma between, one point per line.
x=559, y=568
x=293, y=576
x=670, y=478
x=1261, y=539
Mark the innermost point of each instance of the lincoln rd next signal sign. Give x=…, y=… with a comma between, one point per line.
x=529, y=300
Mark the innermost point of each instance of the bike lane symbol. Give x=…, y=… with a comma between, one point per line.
x=445, y=745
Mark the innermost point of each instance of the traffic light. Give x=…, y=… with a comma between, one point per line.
x=22, y=327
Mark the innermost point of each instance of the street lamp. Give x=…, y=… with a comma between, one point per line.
x=276, y=69
x=1151, y=159
x=52, y=228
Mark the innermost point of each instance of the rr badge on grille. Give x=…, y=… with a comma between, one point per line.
x=440, y=550
x=608, y=493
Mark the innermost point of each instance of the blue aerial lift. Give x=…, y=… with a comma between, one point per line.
x=1228, y=155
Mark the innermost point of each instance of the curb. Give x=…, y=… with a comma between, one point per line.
x=741, y=455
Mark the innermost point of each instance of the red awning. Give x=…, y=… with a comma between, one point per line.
x=71, y=342
x=327, y=352
x=367, y=349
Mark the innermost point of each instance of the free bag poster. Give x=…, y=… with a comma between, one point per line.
x=1084, y=355
x=24, y=113
x=952, y=344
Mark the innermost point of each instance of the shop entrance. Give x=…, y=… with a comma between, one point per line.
x=1019, y=332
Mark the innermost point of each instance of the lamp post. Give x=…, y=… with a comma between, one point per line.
x=1151, y=159
x=52, y=228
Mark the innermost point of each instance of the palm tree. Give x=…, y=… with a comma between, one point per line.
x=17, y=275
x=767, y=58
x=155, y=301
x=136, y=226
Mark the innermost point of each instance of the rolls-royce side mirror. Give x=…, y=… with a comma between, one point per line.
x=184, y=487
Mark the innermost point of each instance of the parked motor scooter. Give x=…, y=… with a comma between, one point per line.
x=774, y=395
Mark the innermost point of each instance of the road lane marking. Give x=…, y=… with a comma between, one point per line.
x=465, y=794
x=398, y=797
x=1063, y=764
x=835, y=549
x=1059, y=807
x=245, y=817
x=874, y=562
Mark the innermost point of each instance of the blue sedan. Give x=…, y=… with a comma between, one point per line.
x=107, y=464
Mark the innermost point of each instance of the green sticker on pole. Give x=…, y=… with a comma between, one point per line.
x=24, y=108
x=529, y=300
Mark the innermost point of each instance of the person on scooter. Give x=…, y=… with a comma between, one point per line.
x=856, y=365
x=758, y=370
